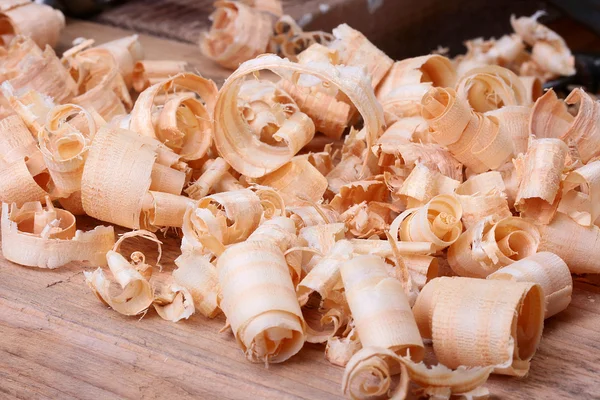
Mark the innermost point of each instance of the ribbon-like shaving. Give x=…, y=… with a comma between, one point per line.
x=437, y=222
x=369, y=374
x=184, y=122
x=511, y=312
x=46, y=237
x=267, y=324
x=247, y=154
x=238, y=33
x=39, y=21
x=549, y=271
x=487, y=246
x=64, y=143
x=137, y=294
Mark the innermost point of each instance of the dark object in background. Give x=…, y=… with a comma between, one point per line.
x=585, y=11
x=587, y=75
x=81, y=8
x=401, y=28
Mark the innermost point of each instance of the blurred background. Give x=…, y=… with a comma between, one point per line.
x=402, y=28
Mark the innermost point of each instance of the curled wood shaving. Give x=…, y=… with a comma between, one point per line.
x=581, y=188
x=401, y=132
x=238, y=33
x=432, y=69
x=19, y=186
x=339, y=350
x=268, y=325
x=164, y=210
x=100, y=84
x=137, y=294
x=490, y=88
x=16, y=141
x=487, y=246
x=357, y=192
x=292, y=46
x=199, y=276
x=221, y=219
x=434, y=157
x=331, y=115
x=251, y=157
x=473, y=138
x=540, y=171
x=549, y=271
x=184, y=122
x=291, y=42
x=322, y=237
x=383, y=248
x=173, y=303
x=403, y=101
x=46, y=238
x=166, y=179
x=574, y=243
x=39, y=70
x=213, y=171
x=379, y=362
x=31, y=106
x=23, y=174
x=517, y=311
x=368, y=219
x=281, y=231
x=39, y=21
x=483, y=196
x=377, y=300
x=324, y=281
x=108, y=194
x=506, y=51
x=313, y=214
x=64, y=142
x=533, y=87
x=514, y=120
x=422, y=185
x=354, y=49
x=127, y=52
x=437, y=222
x=549, y=50
x=550, y=119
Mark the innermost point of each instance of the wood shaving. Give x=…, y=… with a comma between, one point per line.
x=549, y=271
x=37, y=237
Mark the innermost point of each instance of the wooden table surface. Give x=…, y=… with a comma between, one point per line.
x=58, y=341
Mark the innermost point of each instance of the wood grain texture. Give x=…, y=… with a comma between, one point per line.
x=58, y=341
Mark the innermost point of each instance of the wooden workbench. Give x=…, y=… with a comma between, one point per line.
x=58, y=341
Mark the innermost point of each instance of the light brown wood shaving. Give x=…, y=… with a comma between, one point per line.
x=127, y=52
x=39, y=21
x=516, y=307
x=137, y=293
x=549, y=271
x=268, y=325
x=31, y=236
x=540, y=173
x=489, y=245
x=238, y=33
x=235, y=141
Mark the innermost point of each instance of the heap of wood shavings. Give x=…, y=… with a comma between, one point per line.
x=448, y=207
